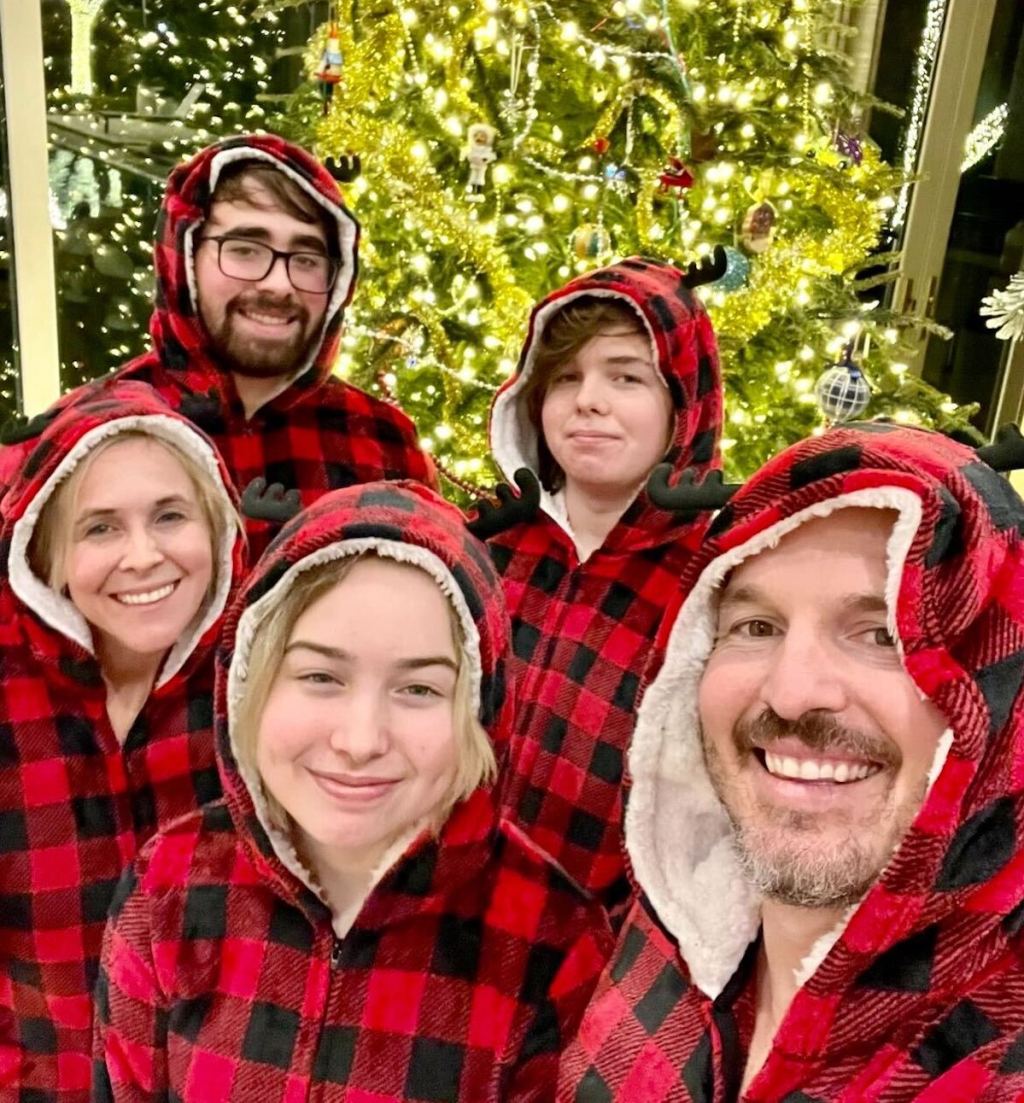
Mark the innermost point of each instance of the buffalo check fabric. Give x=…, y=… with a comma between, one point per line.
x=465, y=971
x=320, y=433
x=75, y=806
x=582, y=631
x=920, y=996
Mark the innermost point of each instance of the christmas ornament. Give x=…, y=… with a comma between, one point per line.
x=676, y=175
x=591, y=241
x=850, y=147
x=479, y=152
x=345, y=167
x=737, y=271
x=758, y=228
x=841, y=390
x=328, y=73
x=703, y=146
x=601, y=145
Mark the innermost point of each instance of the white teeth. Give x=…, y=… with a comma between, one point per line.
x=267, y=319
x=147, y=598
x=812, y=769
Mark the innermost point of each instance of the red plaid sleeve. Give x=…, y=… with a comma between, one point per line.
x=130, y=1036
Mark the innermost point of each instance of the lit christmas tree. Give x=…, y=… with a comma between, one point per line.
x=493, y=149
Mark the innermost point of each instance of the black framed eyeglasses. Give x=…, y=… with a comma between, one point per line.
x=241, y=258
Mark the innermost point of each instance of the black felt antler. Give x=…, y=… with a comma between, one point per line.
x=269, y=503
x=688, y=496
x=1006, y=452
x=708, y=270
x=511, y=508
x=20, y=429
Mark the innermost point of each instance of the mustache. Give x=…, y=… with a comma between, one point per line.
x=272, y=304
x=818, y=731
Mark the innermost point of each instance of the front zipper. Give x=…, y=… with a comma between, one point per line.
x=336, y=953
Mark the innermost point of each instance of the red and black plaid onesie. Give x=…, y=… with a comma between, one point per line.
x=320, y=433
x=581, y=632
x=465, y=970
x=918, y=994
x=75, y=806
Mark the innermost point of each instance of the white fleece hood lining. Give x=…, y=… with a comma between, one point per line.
x=513, y=437
x=678, y=835
x=249, y=622
x=347, y=233
x=58, y=611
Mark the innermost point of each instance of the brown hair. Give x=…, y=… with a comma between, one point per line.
x=51, y=537
x=234, y=185
x=563, y=336
x=476, y=763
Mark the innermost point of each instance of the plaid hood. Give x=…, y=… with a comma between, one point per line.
x=686, y=354
x=75, y=804
x=917, y=992
x=408, y=523
x=179, y=337
x=74, y=432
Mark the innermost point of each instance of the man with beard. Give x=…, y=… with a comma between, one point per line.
x=825, y=819
x=256, y=259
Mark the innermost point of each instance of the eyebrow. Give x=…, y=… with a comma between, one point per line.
x=629, y=360
x=851, y=603
x=339, y=654
x=160, y=503
x=261, y=233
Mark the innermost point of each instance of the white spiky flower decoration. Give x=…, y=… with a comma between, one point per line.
x=1004, y=310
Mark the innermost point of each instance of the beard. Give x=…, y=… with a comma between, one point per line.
x=249, y=356
x=791, y=856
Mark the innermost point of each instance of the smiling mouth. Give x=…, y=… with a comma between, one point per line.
x=836, y=771
x=267, y=319
x=146, y=597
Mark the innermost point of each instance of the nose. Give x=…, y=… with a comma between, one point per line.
x=592, y=395
x=803, y=675
x=277, y=278
x=360, y=731
x=141, y=551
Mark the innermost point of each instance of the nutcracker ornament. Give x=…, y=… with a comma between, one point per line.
x=480, y=153
x=329, y=71
x=758, y=228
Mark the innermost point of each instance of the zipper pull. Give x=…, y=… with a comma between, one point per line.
x=336, y=954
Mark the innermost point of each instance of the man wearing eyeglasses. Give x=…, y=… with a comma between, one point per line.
x=256, y=259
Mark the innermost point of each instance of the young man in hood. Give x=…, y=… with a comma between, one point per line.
x=256, y=259
x=619, y=372
x=824, y=824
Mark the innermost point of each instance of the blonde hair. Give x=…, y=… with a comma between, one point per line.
x=476, y=763
x=51, y=537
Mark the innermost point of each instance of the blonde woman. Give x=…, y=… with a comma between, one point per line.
x=120, y=548
x=353, y=918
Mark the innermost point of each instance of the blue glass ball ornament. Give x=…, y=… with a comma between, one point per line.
x=737, y=271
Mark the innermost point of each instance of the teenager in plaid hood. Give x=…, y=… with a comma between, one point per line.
x=119, y=547
x=244, y=345
x=619, y=372
x=352, y=920
x=825, y=818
